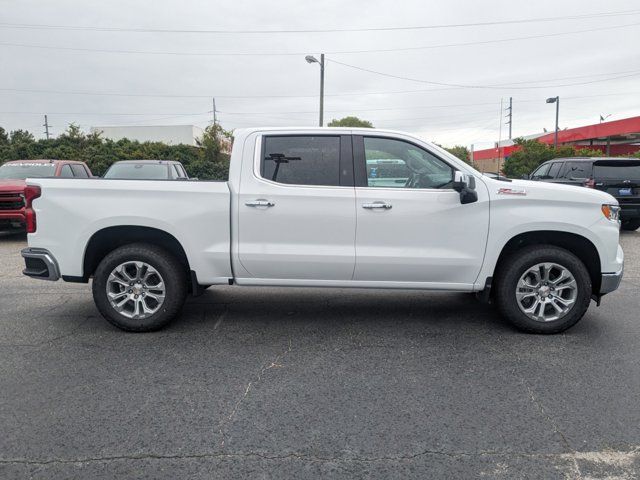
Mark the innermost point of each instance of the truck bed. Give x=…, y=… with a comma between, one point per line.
x=70, y=211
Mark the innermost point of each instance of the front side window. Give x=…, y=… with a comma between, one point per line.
x=301, y=160
x=555, y=168
x=394, y=163
x=79, y=171
x=541, y=172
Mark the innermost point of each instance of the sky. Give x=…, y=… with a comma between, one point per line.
x=436, y=69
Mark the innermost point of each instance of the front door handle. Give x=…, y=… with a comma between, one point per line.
x=377, y=205
x=260, y=203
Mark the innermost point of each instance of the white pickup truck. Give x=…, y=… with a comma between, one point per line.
x=328, y=207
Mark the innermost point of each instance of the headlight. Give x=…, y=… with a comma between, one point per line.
x=612, y=212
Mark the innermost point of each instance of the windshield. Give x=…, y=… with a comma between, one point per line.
x=23, y=170
x=139, y=171
x=617, y=173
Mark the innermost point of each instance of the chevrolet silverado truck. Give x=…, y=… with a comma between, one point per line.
x=311, y=207
x=12, y=185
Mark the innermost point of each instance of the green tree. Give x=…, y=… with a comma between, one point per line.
x=208, y=161
x=459, y=151
x=530, y=155
x=350, y=122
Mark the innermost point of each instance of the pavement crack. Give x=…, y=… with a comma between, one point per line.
x=576, y=468
x=601, y=457
x=267, y=366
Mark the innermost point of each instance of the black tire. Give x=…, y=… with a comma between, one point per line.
x=630, y=225
x=170, y=269
x=513, y=267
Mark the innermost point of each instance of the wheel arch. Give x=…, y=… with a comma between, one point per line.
x=108, y=239
x=577, y=244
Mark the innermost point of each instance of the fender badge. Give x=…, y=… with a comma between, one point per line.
x=512, y=191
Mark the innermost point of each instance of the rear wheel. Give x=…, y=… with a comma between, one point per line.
x=139, y=287
x=630, y=224
x=543, y=289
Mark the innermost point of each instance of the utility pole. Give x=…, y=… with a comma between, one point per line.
x=471, y=156
x=215, y=118
x=510, y=116
x=46, y=127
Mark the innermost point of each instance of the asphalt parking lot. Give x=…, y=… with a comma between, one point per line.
x=291, y=383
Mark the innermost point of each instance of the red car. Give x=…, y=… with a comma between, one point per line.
x=12, y=184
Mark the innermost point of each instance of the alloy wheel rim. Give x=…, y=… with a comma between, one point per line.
x=135, y=290
x=546, y=292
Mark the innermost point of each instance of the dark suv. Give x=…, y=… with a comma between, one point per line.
x=618, y=176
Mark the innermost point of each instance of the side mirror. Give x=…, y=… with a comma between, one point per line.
x=526, y=176
x=465, y=185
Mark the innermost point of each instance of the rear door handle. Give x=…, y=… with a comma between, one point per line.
x=260, y=203
x=377, y=205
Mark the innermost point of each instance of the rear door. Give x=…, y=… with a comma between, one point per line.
x=296, y=209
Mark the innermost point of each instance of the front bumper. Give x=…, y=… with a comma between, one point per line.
x=610, y=282
x=40, y=264
x=12, y=216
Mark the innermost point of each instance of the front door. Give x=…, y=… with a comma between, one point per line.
x=411, y=226
x=297, y=209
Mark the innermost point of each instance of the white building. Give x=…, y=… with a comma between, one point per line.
x=169, y=134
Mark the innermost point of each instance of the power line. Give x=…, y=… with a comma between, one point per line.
x=345, y=94
x=331, y=30
x=458, y=85
x=106, y=113
x=334, y=52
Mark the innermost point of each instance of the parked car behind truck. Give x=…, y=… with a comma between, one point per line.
x=147, y=170
x=12, y=184
x=302, y=209
x=619, y=177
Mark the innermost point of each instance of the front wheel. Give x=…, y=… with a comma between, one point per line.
x=543, y=289
x=139, y=287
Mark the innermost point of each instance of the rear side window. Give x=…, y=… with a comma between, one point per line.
x=301, y=160
x=66, y=172
x=79, y=171
x=576, y=170
x=554, y=170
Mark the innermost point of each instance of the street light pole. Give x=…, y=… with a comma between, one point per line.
x=312, y=59
x=321, y=89
x=555, y=100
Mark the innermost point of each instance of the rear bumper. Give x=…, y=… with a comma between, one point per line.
x=40, y=264
x=629, y=211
